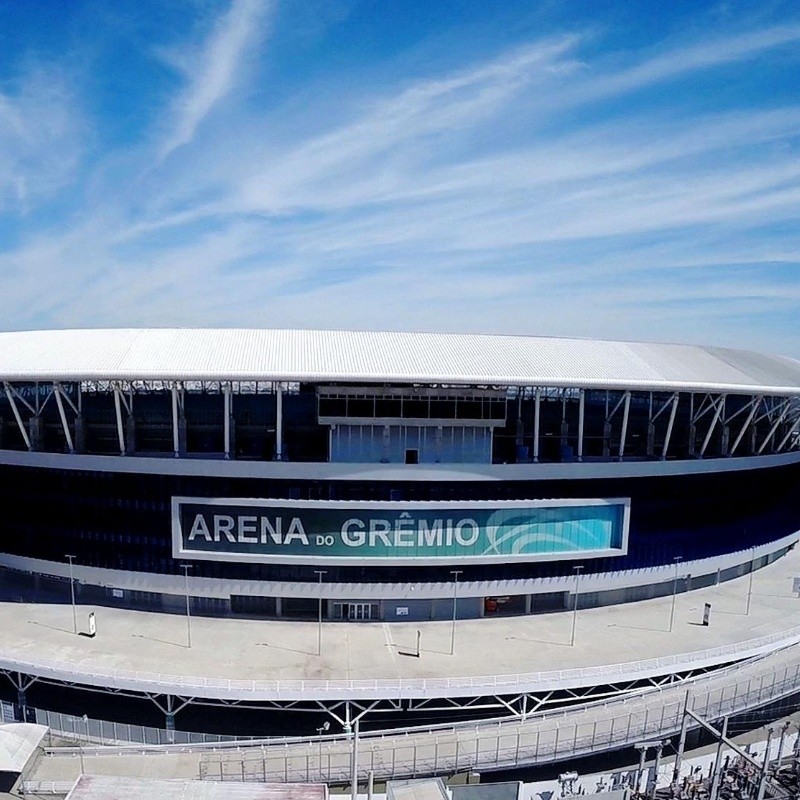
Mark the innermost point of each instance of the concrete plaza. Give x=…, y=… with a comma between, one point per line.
x=255, y=650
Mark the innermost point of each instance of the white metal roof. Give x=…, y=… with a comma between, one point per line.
x=362, y=356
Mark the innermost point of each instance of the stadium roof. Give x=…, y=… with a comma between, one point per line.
x=369, y=357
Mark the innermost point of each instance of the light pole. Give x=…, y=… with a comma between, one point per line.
x=578, y=570
x=750, y=585
x=354, y=763
x=320, y=572
x=186, y=568
x=85, y=719
x=455, y=573
x=72, y=594
x=677, y=561
x=322, y=729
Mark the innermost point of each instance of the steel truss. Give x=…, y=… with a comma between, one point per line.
x=719, y=424
x=347, y=712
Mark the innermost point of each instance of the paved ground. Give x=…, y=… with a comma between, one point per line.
x=487, y=745
x=258, y=650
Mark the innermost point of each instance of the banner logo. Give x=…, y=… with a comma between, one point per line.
x=274, y=531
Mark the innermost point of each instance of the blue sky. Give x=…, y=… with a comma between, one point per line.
x=602, y=169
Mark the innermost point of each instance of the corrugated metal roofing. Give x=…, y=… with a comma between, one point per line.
x=361, y=356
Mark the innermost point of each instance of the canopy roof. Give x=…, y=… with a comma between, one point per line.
x=382, y=357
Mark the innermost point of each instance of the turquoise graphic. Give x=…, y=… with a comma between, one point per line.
x=270, y=531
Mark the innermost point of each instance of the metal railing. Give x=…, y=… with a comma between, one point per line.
x=505, y=744
x=221, y=688
x=105, y=732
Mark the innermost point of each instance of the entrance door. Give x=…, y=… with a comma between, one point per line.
x=359, y=611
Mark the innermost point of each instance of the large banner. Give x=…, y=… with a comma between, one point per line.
x=275, y=531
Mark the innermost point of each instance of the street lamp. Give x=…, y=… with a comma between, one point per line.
x=455, y=573
x=577, y=570
x=322, y=729
x=320, y=572
x=186, y=568
x=677, y=561
x=85, y=719
x=750, y=585
x=72, y=594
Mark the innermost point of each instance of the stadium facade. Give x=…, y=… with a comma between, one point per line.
x=389, y=476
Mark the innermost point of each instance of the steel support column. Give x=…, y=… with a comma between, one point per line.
x=13, y=403
x=278, y=423
x=755, y=403
x=720, y=405
x=63, y=416
x=537, y=406
x=625, y=413
x=670, y=424
x=176, y=439
x=227, y=419
x=120, y=426
x=778, y=421
x=581, y=409
x=792, y=430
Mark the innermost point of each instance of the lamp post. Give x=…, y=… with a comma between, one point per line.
x=322, y=729
x=71, y=559
x=319, y=572
x=677, y=561
x=455, y=573
x=85, y=719
x=578, y=570
x=186, y=568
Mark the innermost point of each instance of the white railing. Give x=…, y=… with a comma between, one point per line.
x=405, y=688
x=506, y=744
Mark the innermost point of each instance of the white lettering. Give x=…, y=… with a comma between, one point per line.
x=379, y=529
x=430, y=536
x=247, y=525
x=270, y=532
x=223, y=525
x=353, y=538
x=469, y=538
x=404, y=531
x=199, y=528
x=296, y=531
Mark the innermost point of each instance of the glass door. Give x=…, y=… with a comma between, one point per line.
x=359, y=611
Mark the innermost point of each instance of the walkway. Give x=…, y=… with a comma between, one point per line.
x=261, y=660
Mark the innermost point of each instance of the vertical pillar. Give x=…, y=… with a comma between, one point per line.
x=176, y=447
x=17, y=417
x=278, y=423
x=36, y=433
x=120, y=428
x=625, y=413
x=22, y=702
x=536, y=412
x=581, y=409
x=227, y=419
x=672, y=413
x=63, y=417
x=169, y=714
x=713, y=425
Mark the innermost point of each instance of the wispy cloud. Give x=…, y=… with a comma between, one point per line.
x=533, y=189
x=212, y=73
x=41, y=138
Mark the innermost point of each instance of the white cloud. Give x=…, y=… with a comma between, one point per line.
x=213, y=73
x=481, y=200
x=41, y=139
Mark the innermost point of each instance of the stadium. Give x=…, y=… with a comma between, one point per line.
x=376, y=471
x=308, y=488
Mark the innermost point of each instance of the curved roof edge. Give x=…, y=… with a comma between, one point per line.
x=366, y=356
